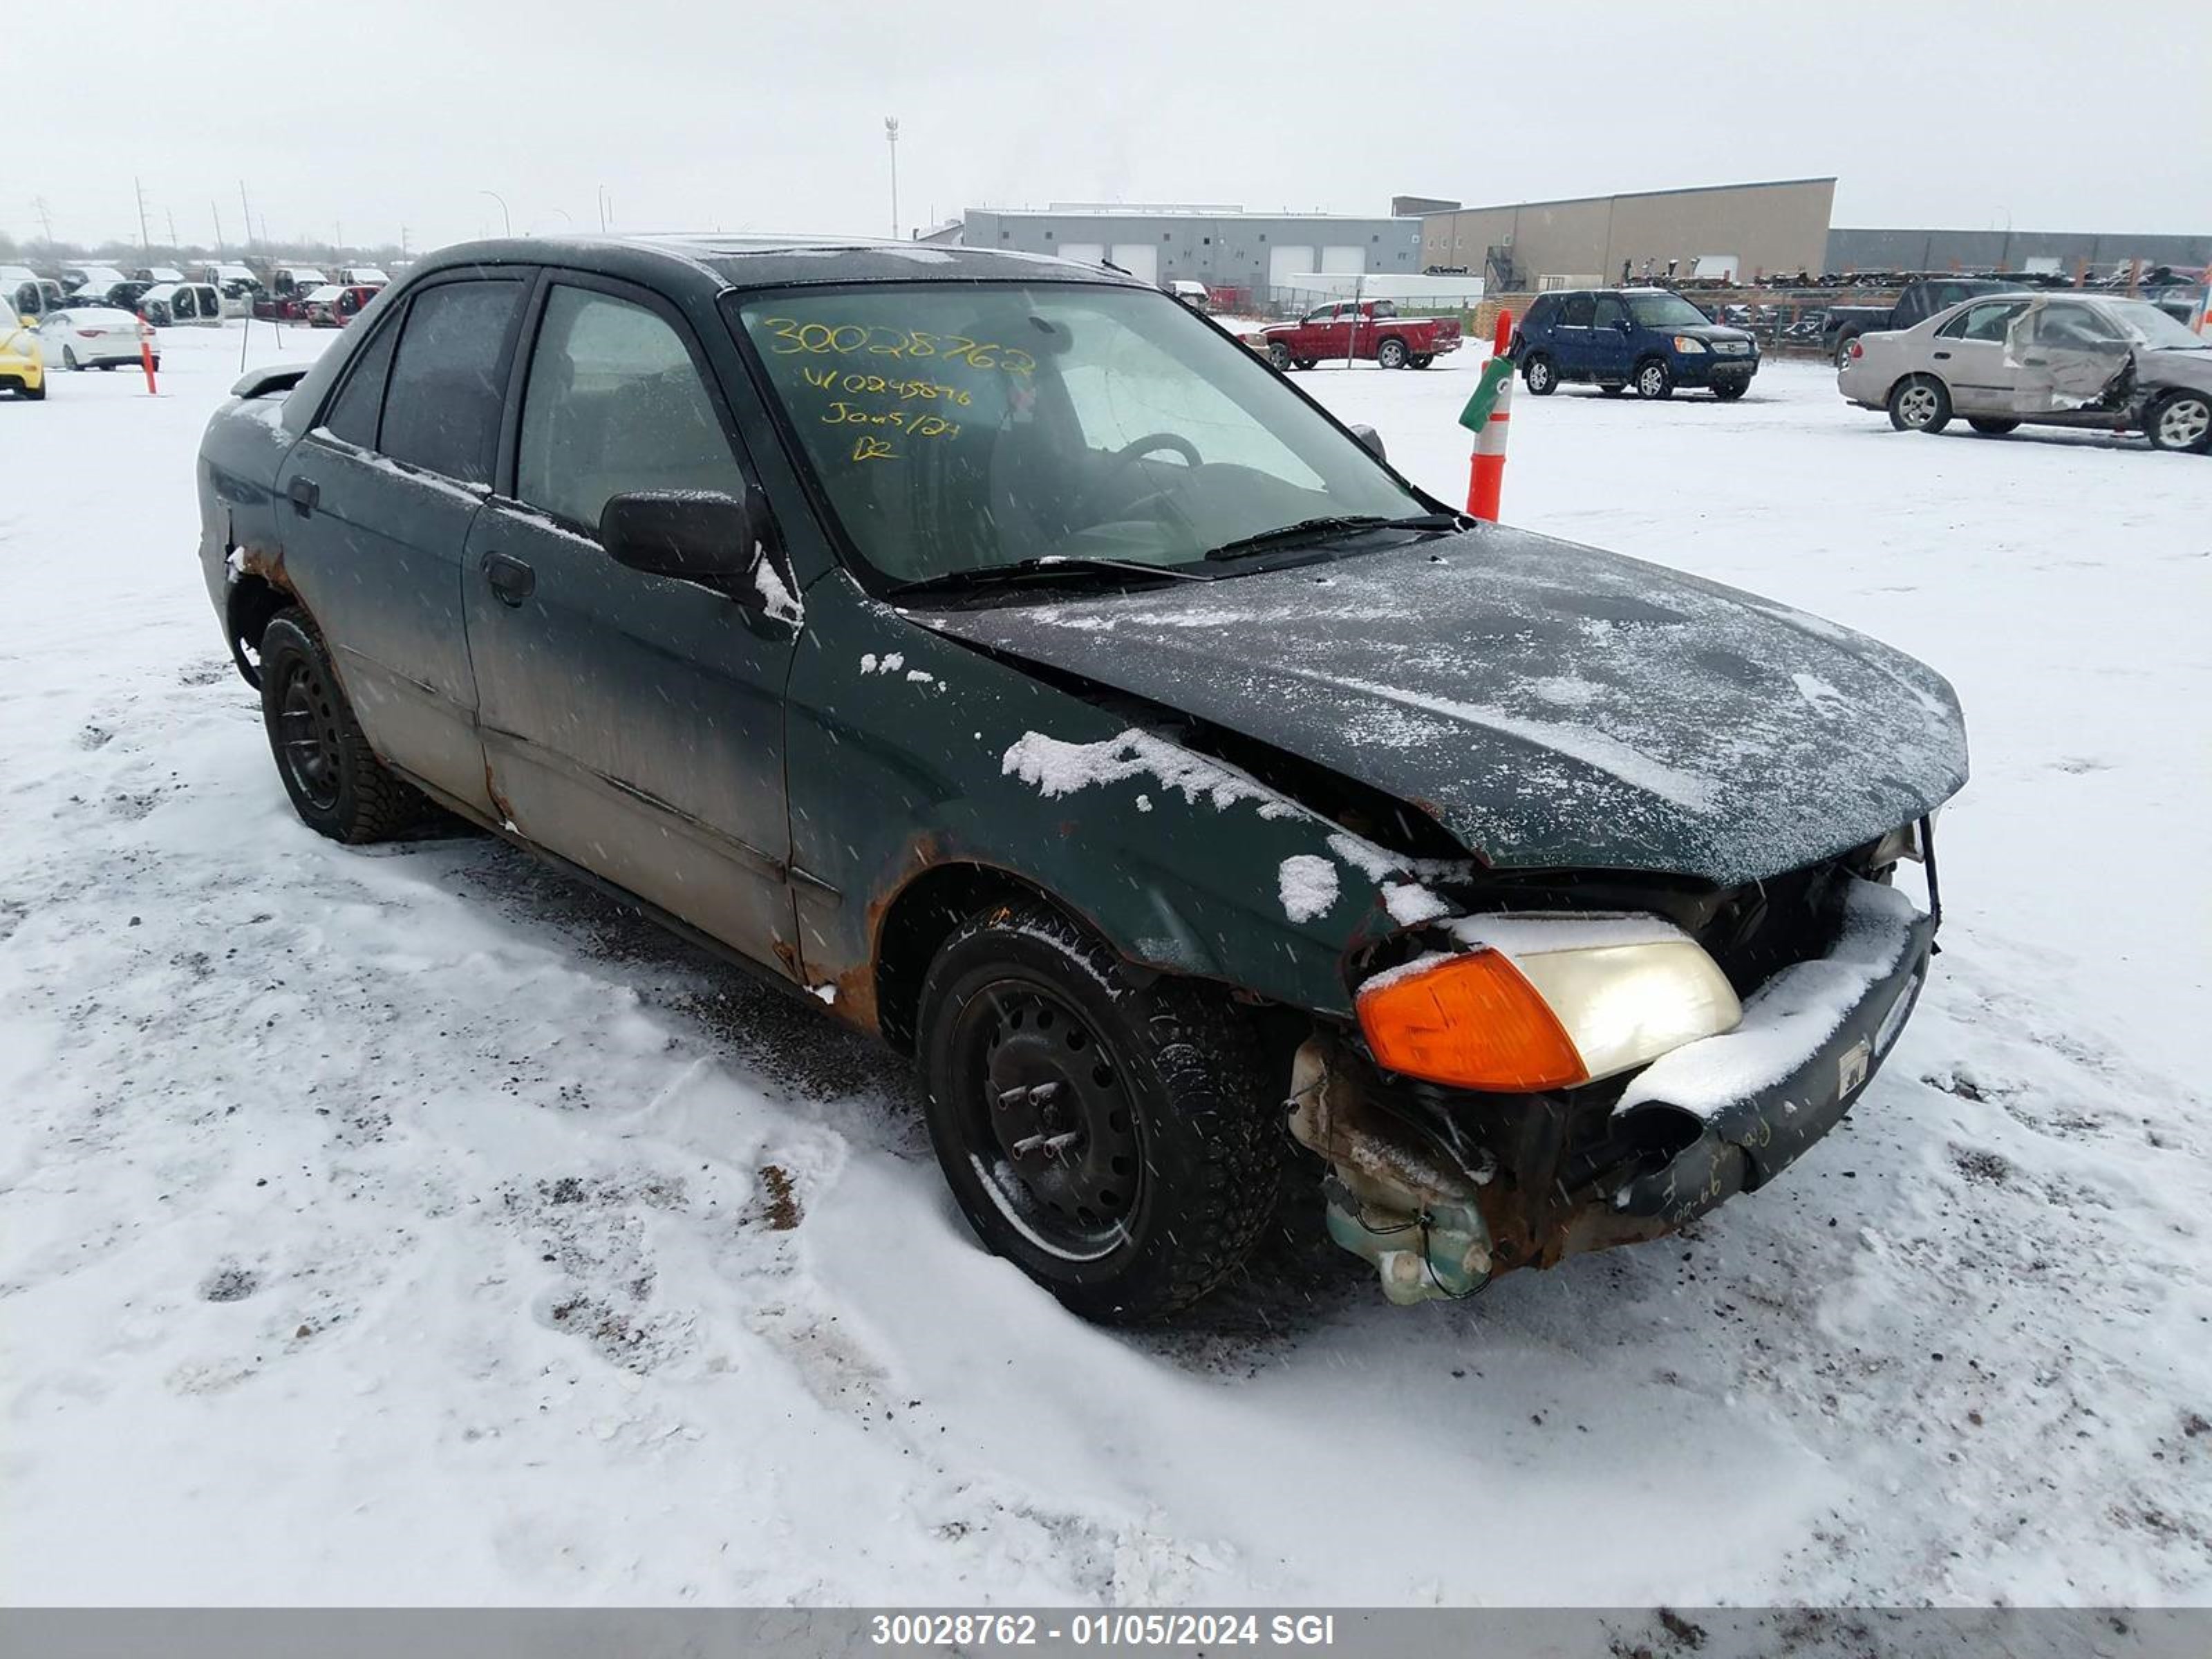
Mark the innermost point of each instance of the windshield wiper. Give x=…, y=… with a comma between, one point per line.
x=1049, y=564
x=1313, y=529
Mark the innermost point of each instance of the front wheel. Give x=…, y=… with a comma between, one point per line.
x=1539, y=377
x=1728, y=391
x=1653, y=381
x=2182, y=420
x=1114, y=1137
x=1920, y=402
x=1391, y=354
x=338, y=785
x=1989, y=426
x=1305, y=363
x=1421, y=359
x=1280, y=355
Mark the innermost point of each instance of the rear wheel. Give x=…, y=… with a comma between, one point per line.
x=1991, y=426
x=105, y=369
x=1919, y=403
x=1652, y=380
x=2182, y=420
x=69, y=360
x=1113, y=1138
x=1391, y=354
x=338, y=785
x=1538, y=376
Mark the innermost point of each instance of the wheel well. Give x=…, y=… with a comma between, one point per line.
x=251, y=601
x=921, y=917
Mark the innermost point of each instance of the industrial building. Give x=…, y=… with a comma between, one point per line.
x=1740, y=230
x=1224, y=247
x=2059, y=250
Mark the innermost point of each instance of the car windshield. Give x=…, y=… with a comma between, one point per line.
x=969, y=427
x=1665, y=311
x=2157, y=328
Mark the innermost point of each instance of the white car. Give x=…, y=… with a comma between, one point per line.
x=91, y=280
x=2060, y=359
x=92, y=337
x=174, y=305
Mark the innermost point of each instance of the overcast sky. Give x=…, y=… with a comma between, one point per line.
x=400, y=113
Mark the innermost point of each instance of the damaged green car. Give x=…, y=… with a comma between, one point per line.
x=999, y=653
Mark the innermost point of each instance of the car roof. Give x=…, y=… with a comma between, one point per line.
x=770, y=262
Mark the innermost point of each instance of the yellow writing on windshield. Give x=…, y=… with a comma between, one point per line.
x=793, y=338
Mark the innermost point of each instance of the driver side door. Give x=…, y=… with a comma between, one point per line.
x=633, y=723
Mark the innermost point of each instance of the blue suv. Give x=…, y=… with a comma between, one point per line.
x=1645, y=337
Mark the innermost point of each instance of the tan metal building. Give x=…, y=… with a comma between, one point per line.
x=1780, y=225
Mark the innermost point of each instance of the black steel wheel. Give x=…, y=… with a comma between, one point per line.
x=1728, y=391
x=1112, y=1137
x=338, y=785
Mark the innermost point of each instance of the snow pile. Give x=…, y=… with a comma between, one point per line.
x=1788, y=1017
x=1308, y=886
x=1055, y=769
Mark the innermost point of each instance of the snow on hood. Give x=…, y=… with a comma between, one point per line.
x=1550, y=705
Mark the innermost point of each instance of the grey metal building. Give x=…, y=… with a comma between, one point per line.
x=2006, y=250
x=1221, y=246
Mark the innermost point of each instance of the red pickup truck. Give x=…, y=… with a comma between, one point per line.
x=1380, y=335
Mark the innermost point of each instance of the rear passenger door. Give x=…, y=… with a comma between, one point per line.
x=633, y=723
x=380, y=497
x=1968, y=356
x=1571, y=340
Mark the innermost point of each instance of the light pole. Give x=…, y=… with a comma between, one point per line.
x=506, y=220
x=890, y=138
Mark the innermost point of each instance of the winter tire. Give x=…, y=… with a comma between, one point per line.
x=1391, y=354
x=2181, y=421
x=1919, y=403
x=1991, y=426
x=1652, y=380
x=337, y=786
x=1539, y=377
x=1112, y=1135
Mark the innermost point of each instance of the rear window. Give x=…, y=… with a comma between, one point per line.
x=442, y=411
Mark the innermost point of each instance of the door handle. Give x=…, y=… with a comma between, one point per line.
x=1941, y=355
x=512, y=580
x=305, y=494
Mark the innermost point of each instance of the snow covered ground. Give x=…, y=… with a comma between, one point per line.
x=405, y=1226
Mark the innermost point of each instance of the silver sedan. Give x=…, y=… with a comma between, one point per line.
x=2006, y=359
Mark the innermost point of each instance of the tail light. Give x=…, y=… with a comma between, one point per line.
x=1854, y=350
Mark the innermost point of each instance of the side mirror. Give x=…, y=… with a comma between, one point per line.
x=1624, y=325
x=700, y=536
x=1370, y=441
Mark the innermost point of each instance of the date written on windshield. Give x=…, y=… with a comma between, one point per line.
x=858, y=339
x=914, y=423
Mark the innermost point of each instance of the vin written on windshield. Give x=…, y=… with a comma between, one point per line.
x=976, y=427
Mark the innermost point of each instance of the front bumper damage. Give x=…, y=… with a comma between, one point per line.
x=1444, y=1190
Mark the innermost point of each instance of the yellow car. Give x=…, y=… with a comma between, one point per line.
x=23, y=365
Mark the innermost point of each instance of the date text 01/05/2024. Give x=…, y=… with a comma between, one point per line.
x=1105, y=1630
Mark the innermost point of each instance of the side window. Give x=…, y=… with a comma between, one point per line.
x=1982, y=322
x=352, y=416
x=1609, y=313
x=2075, y=327
x=614, y=403
x=1576, y=313
x=442, y=409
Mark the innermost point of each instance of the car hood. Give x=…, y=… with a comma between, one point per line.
x=1550, y=705
x=1713, y=332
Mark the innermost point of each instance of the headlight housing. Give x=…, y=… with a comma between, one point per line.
x=1687, y=344
x=1546, y=1002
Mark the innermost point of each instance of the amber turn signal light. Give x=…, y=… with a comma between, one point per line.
x=1472, y=1021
